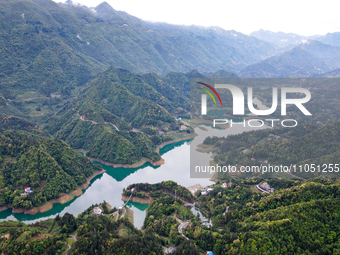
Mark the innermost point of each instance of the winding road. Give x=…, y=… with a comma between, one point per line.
x=181, y=226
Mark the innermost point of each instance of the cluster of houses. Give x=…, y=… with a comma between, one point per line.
x=27, y=191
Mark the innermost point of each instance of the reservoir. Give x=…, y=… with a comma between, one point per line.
x=109, y=185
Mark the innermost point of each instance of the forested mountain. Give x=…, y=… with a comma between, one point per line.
x=179, y=48
x=37, y=52
x=300, y=217
x=95, y=234
x=28, y=159
x=15, y=123
x=103, y=116
x=222, y=74
x=308, y=58
x=117, y=109
x=48, y=46
x=310, y=144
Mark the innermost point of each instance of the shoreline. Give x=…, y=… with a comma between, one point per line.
x=143, y=160
x=64, y=198
x=150, y=199
x=137, y=199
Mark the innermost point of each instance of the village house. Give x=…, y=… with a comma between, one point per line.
x=265, y=186
x=206, y=191
x=183, y=128
x=97, y=210
x=224, y=185
x=27, y=191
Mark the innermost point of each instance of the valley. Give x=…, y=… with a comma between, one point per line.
x=102, y=120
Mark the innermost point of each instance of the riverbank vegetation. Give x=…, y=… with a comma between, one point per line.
x=300, y=216
x=121, y=110
x=144, y=190
x=35, y=169
x=90, y=234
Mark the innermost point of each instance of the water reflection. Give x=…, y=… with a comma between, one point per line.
x=109, y=185
x=139, y=212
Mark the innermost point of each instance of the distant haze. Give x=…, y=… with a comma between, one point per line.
x=301, y=17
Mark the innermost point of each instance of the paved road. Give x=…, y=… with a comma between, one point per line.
x=83, y=119
x=226, y=210
x=74, y=237
x=210, y=221
x=181, y=226
x=112, y=125
x=258, y=187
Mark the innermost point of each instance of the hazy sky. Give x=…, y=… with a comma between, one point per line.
x=296, y=16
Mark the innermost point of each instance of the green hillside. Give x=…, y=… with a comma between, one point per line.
x=36, y=51
x=300, y=217
x=50, y=47
x=28, y=159
x=108, y=114
x=15, y=123
x=306, y=59
x=310, y=144
x=87, y=234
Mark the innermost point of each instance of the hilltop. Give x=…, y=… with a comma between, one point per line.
x=29, y=159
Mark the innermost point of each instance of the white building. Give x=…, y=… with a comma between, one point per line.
x=206, y=191
x=265, y=186
x=97, y=210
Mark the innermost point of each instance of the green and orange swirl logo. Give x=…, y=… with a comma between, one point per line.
x=209, y=93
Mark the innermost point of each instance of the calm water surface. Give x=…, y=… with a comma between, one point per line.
x=109, y=185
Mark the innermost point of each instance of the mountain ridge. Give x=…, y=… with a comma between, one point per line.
x=306, y=59
x=282, y=39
